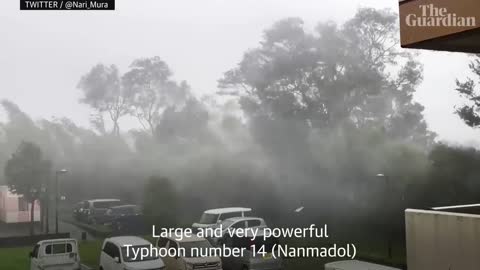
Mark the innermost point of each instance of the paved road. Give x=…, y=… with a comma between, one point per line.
x=8, y=230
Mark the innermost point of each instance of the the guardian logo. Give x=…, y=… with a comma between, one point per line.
x=432, y=16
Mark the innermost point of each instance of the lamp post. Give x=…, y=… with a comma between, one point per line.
x=58, y=172
x=387, y=189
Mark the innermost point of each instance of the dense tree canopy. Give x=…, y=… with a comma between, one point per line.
x=27, y=173
x=352, y=73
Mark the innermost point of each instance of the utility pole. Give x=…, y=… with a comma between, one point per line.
x=63, y=171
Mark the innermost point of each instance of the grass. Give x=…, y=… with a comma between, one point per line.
x=17, y=258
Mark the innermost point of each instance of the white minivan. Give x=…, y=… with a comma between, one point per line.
x=55, y=254
x=114, y=255
x=213, y=217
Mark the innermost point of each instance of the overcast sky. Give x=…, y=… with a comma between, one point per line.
x=44, y=53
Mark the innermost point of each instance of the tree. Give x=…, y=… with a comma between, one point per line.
x=103, y=91
x=27, y=173
x=188, y=124
x=470, y=111
x=352, y=73
x=160, y=201
x=152, y=89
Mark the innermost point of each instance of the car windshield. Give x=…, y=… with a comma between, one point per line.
x=208, y=218
x=131, y=257
x=200, y=248
x=105, y=204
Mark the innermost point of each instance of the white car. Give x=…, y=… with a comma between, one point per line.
x=213, y=217
x=238, y=222
x=356, y=265
x=114, y=255
x=189, y=260
x=55, y=254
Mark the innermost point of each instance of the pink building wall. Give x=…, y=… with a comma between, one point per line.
x=13, y=209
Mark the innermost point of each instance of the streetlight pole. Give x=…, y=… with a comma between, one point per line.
x=387, y=204
x=63, y=171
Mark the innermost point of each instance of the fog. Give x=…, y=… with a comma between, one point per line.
x=285, y=106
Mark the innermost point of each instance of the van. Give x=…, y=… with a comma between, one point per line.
x=189, y=260
x=248, y=260
x=213, y=217
x=115, y=256
x=55, y=254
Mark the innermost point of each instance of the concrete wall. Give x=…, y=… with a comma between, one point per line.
x=442, y=241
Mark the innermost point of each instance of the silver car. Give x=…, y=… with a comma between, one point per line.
x=250, y=261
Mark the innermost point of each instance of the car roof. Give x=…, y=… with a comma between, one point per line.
x=104, y=200
x=220, y=211
x=50, y=241
x=185, y=239
x=235, y=219
x=358, y=265
x=128, y=240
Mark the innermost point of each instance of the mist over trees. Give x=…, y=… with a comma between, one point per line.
x=468, y=89
x=305, y=119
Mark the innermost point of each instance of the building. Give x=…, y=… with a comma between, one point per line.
x=444, y=25
x=14, y=208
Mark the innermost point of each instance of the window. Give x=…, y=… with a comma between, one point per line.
x=173, y=244
x=162, y=242
x=108, y=249
x=58, y=248
x=209, y=219
x=131, y=257
x=254, y=223
x=22, y=204
x=115, y=252
x=240, y=224
x=230, y=215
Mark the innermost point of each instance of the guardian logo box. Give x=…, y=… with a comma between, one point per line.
x=432, y=16
x=446, y=25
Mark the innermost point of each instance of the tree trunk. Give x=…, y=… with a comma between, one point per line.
x=32, y=217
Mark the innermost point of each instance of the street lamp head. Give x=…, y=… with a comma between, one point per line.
x=62, y=171
x=380, y=175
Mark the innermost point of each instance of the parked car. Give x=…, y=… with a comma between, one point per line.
x=238, y=222
x=189, y=261
x=250, y=261
x=78, y=211
x=214, y=216
x=93, y=211
x=356, y=265
x=55, y=254
x=116, y=212
x=114, y=255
